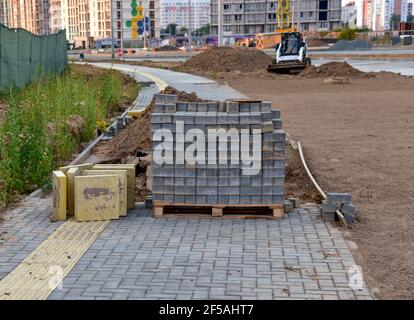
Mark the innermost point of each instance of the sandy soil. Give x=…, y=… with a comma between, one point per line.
x=358, y=138
x=401, y=56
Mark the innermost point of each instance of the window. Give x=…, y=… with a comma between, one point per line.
x=301, y=14
x=323, y=4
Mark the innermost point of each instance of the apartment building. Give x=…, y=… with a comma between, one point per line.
x=126, y=20
x=403, y=10
x=177, y=11
x=257, y=16
x=380, y=15
x=349, y=14
x=89, y=21
x=55, y=15
x=4, y=12
x=32, y=15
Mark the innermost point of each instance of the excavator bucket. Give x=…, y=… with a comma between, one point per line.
x=287, y=67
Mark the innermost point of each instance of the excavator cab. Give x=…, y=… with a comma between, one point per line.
x=290, y=54
x=290, y=44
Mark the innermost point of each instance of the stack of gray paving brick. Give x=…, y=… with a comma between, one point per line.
x=338, y=201
x=224, y=183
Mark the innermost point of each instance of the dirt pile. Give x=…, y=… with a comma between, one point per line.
x=357, y=44
x=334, y=69
x=136, y=137
x=226, y=59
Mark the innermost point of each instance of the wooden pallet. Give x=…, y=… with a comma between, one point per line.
x=229, y=211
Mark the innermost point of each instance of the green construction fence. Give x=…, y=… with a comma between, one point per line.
x=24, y=57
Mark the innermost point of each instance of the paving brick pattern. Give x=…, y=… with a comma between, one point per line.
x=144, y=97
x=213, y=181
x=139, y=257
x=205, y=88
x=24, y=229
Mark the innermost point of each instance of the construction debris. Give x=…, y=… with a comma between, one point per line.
x=288, y=206
x=338, y=201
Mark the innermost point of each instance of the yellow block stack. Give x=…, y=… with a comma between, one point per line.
x=93, y=192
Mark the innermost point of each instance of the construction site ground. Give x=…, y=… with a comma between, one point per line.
x=358, y=138
x=357, y=130
x=139, y=257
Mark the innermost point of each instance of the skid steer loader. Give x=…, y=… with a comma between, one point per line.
x=291, y=54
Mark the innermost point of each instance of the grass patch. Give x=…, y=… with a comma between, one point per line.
x=45, y=123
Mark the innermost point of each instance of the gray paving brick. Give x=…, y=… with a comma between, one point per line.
x=139, y=257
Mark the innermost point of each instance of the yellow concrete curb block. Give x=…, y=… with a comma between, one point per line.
x=130, y=168
x=82, y=167
x=135, y=113
x=70, y=175
x=44, y=269
x=59, y=195
x=96, y=197
x=122, y=185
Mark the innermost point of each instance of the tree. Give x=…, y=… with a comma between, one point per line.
x=172, y=29
x=183, y=30
x=203, y=31
x=347, y=34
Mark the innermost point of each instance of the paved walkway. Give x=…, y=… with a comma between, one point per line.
x=205, y=88
x=138, y=257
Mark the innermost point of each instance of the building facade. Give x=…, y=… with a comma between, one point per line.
x=89, y=21
x=349, y=15
x=249, y=17
x=126, y=20
x=404, y=10
x=382, y=11
x=32, y=15
x=55, y=15
x=4, y=12
x=177, y=12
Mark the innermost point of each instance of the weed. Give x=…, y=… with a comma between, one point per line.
x=45, y=123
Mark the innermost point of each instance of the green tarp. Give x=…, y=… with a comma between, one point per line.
x=25, y=56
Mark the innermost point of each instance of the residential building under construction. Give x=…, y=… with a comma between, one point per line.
x=248, y=17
